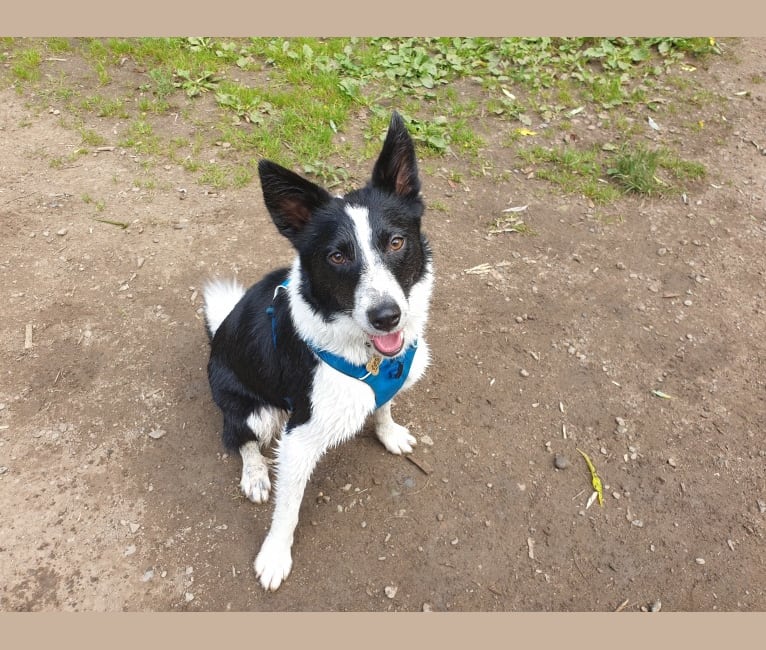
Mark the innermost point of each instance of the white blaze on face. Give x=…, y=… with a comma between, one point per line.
x=377, y=285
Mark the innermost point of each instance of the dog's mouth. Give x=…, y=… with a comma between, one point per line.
x=389, y=345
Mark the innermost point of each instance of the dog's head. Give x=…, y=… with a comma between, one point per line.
x=363, y=264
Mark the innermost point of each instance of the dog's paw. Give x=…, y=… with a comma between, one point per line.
x=273, y=564
x=396, y=438
x=255, y=483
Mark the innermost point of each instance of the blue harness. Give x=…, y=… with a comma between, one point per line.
x=384, y=378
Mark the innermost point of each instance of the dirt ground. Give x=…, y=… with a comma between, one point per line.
x=115, y=493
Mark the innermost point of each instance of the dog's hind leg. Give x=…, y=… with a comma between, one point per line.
x=264, y=422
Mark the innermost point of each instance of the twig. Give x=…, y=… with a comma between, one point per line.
x=622, y=605
x=422, y=465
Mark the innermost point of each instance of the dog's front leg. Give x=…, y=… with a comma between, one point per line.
x=395, y=437
x=297, y=455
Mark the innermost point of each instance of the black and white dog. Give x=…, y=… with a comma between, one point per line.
x=309, y=352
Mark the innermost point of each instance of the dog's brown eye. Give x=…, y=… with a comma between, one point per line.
x=337, y=258
x=396, y=244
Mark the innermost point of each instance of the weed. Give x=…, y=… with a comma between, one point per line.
x=164, y=85
x=246, y=103
x=574, y=170
x=140, y=136
x=26, y=66
x=104, y=107
x=637, y=169
x=328, y=174
x=195, y=84
x=214, y=175
x=91, y=138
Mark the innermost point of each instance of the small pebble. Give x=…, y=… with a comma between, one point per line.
x=156, y=434
x=188, y=596
x=147, y=576
x=656, y=606
x=129, y=550
x=61, y=232
x=427, y=607
x=440, y=517
x=671, y=462
x=391, y=591
x=662, y=251
x=700, y=560
x=688, y=303
x=524, y=373
x=560, y=461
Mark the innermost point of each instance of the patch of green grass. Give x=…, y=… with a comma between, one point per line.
x=215, y=175
x=140, y=136
x=291, y=99
x=26, y=65
x=91, y=138
x=105, y=107
x=639, y=170
x=574, y=170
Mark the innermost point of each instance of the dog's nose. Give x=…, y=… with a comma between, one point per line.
x=384, y=317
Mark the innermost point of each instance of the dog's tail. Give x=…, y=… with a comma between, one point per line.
x=221, y=296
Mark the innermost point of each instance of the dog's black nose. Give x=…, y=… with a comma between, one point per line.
x=384, y=317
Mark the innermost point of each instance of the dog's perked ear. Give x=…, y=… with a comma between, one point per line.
x=290, y=198
x=396, y=169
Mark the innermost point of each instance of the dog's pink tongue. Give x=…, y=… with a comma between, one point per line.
x=389, y=344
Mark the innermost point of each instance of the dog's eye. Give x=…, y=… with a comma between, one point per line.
x=337, y=258
x=396, y=244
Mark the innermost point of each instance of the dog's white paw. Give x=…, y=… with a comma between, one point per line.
x=396, y=438
x=255, y=483
x=273, y=563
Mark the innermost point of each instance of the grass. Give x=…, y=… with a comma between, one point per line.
x=576, y=171
x=294, y=99
x=639, y=170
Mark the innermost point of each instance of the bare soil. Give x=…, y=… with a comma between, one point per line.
x=115, y=493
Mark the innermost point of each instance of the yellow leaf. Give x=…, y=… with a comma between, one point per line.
x=594, y=478
x=525, y=132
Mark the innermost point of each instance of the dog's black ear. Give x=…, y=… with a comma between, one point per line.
x=396, y=169
x=290, y=198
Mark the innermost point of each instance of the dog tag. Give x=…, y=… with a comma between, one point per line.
x=373, y=365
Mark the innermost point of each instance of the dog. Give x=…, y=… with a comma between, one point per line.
x=309, y=352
